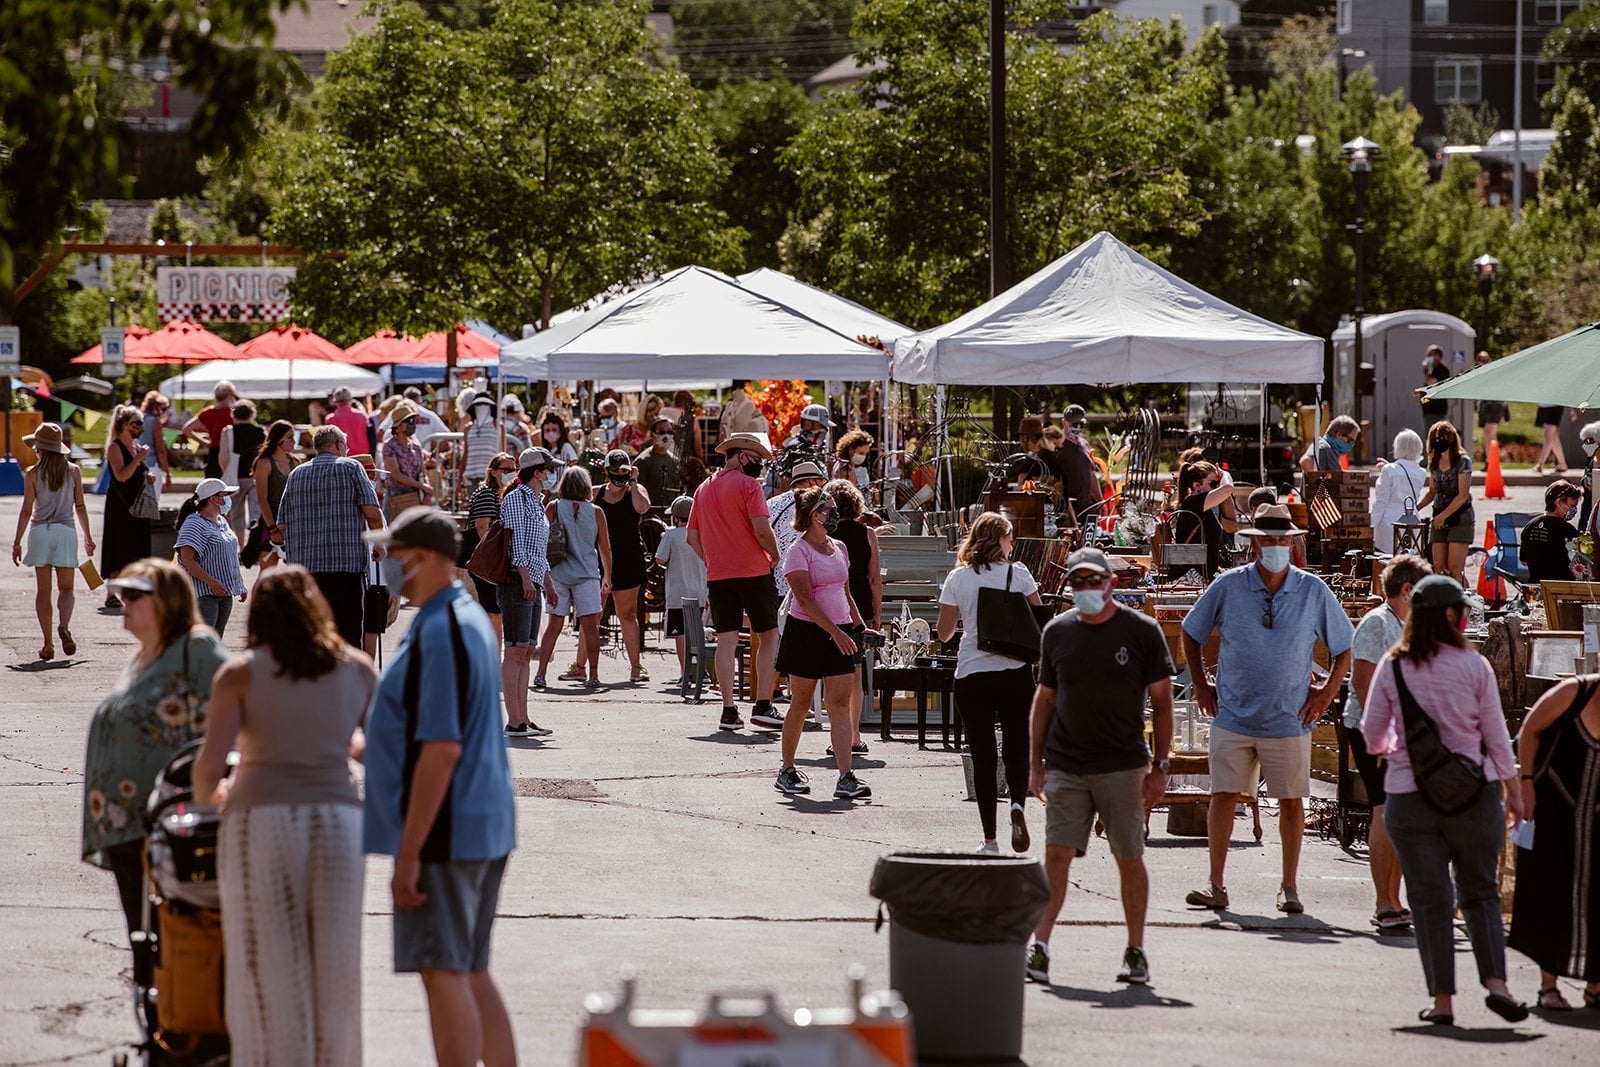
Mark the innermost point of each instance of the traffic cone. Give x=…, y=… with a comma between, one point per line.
x=1344, y=461
x=1491, y=588
x=1495, y=482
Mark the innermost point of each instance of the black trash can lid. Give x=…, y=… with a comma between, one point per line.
x=971, y=897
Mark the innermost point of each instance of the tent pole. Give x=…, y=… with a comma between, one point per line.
x=1261, y=439
x=941, y=454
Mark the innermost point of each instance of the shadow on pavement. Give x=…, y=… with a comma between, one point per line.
x=1132, y=996
x=1578, y=1019
x=1484, y=1035
x=821, y=804
x=41, y=665
x=735, y=737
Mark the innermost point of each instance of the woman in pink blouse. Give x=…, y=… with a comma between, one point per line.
x=1456, y=688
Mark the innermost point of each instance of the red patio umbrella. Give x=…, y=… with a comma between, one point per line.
x=292, y=342
x=384, y=347
x=470, y=344
x=179, y=341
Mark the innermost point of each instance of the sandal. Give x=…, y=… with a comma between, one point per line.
x=1591, y=999
x=1391, y=920
x=1550, y=999
x=639, y=674
x=68, y=645
x=47, y=653
x=1512, y=1011
x=1437, y=1018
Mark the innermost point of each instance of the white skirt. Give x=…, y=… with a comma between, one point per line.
x=52, y=544
x=292, y=877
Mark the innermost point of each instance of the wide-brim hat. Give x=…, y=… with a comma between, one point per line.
x=750, y=442
x=49, y=437
x=1271, y=520
x=806, y=469
x=404, y=410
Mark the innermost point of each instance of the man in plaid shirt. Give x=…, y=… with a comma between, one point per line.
x=326, y=506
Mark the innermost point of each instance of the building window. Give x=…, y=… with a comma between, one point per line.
x=1457, y=81
x=1435, y=12
x=1341, y=16
x=1554, y=12
x=1544, y=79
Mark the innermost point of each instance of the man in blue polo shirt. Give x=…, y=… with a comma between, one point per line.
x=439, y=792
x=1269, y=615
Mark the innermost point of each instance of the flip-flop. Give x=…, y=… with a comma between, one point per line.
x=47, y=653
x=1512, y=1011
x=1550, y=999
x=68, y=645
x=1437, y=1018
x=1390, y=920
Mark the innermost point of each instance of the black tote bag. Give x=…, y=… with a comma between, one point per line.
x=1007, y=625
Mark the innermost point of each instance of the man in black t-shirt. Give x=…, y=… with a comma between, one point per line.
x=1433, y=372
x=1544, y=540
x=1097, y=665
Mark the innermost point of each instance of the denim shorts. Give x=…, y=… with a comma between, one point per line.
x=519, y=618
x=451, y=931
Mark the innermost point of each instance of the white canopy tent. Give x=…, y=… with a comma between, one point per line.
x=274, y=379
x=692, y=325
x=1104, y=314
x=830, y=309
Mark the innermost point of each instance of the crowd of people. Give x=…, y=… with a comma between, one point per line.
x=787, y=559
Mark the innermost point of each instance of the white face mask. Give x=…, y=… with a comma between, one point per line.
x=507, y=477
x=1090, y=601
x=858, y=459
x=1275, y=558
x=550, y=481
x=1589, y=447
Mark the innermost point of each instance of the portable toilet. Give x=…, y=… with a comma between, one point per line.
x=1380, y=394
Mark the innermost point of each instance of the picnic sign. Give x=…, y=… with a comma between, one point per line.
x=223, y=294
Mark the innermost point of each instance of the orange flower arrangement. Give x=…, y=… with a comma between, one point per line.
x=781, y=402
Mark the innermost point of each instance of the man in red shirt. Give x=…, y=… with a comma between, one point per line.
x=349, y=418
x=207, y=426
x=730, y=528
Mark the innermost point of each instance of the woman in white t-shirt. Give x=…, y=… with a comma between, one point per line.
x=819, y=640
x=990, y=686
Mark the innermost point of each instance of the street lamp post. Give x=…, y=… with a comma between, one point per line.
x=1359, y=154
x=1485, y=267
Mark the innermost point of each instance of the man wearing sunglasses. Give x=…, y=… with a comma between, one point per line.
x=1269, y=616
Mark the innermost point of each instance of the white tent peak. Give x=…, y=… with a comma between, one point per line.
x=839, y=312
x=692, y=323
x=1103, y=313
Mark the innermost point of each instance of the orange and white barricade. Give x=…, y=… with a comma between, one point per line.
x=739, y=1029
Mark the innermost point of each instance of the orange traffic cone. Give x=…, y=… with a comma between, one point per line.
x=1491, y=588
x=1344, y=461
x=1495, y=482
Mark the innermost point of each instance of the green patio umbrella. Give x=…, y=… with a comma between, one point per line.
x=1564, y=370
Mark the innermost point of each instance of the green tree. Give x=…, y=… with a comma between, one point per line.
x=893, y=172
x=1468, y=125
x=60, y=119
x=503, y=172
x=752, y=122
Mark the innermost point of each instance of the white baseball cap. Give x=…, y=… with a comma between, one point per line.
x=210, y=487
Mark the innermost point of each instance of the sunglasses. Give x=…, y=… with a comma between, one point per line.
x=131, y=595
x=1266, y=616
x=1087, y=581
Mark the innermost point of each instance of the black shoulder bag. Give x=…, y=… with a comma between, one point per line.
x=1006, y=623
x=436, y=847
x=1450, y=782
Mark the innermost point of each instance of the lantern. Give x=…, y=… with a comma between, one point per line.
x=1410, y=531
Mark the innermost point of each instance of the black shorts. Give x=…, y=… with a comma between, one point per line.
x=674, y=622
x=731, y=599
x=806, y=651
x=1548, y=416
x=375, y=610
x=1367, y=766
x=488, y=595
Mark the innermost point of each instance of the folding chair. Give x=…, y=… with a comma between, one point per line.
x=694, y=652
x=1504, y=560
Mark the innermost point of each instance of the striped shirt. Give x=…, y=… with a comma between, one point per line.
x=321, y=515
x=485, y=503
x=217, y=550
x=522, y=512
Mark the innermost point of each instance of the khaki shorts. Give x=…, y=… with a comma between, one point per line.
x=1072, y=800
x=1285, y=762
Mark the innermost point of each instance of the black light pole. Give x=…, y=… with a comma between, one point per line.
x=999, y=268
x=1485, y=267
x=1359, y=153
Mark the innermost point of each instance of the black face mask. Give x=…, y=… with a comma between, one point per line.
x=619, y=479
x=750, y=464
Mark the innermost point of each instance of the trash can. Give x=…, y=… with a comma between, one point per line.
x=958, y=937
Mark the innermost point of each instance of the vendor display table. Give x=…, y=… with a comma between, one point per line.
x=921, y=680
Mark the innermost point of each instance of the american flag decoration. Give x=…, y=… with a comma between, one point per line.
x=1324, y=512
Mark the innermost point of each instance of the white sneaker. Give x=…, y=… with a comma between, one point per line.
x=989, y=846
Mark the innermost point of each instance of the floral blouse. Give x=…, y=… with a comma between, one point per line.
x=135, y=731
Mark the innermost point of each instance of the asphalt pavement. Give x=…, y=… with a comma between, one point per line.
x=649, y=840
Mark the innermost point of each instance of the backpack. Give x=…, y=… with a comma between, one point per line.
x=556, y=549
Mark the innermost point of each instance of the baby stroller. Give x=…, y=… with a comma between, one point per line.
x=177, y=953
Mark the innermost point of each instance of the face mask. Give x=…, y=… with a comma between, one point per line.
x=227, y=504
x=619, y=479
x=609, y=422
x=858, y=460
x=507, y=477
x=392, y=573
x=750, y=464
x=1275, y=557
x=1589, y=447
x=830, y=521
x=1340, y=446
x=1462, y=622
x=663, y=440
x=1571, y=513
x=1090, y=601
x=550, y=481
x=552, y=436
